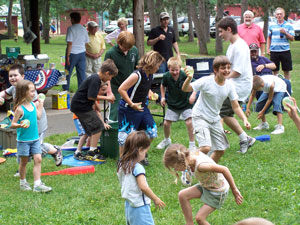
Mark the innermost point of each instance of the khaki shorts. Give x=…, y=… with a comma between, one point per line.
x=173, y=115
x=210, y=134
x=211, y=198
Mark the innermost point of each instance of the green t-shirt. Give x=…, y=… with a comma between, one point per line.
x=126, y=64
x=177, y=99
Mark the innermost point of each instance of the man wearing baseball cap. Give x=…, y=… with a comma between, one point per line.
x=162, y=38
x=94, y=49
x=260, y=64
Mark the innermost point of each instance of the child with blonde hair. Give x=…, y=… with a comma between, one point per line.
x=135, y=90
x=28, y=143
x=131, y=174
x=214, y=182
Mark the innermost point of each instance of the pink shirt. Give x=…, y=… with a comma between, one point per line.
x=251, y=34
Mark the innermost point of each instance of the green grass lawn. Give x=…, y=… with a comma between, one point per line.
x=267, y=176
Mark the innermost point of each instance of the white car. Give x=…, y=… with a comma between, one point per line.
x=296, y=26
x=260, y=22
x=113, y=25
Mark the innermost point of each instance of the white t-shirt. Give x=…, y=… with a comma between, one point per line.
x=211, y=97
x=239, y=56
x=78, y=35
x=130, y=190
x=279, y=84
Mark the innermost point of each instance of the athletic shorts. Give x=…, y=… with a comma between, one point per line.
x=138, y=215
x=226, y=109
x=132, y=120
x=285, y=58
x=212, y=198
x=173, y=115
x=210, y=134
x=90, y=122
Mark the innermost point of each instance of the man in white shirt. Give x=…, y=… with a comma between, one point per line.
x=76, y=39
x=241, y=76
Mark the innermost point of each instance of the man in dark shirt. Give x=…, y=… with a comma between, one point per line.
x=260, y=64
x=162, y=38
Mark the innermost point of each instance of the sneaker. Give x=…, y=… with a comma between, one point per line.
x=42, y=188
x=245, y=145
x=262, y=126
x=25, y=187
x=97, y=158
x=186, y=178
x=163, y=144
x=279, y=129
x=92, y=152
x=58, y=156
x=78, y=155
x=17, y=174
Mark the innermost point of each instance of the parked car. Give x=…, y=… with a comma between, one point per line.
x=296, y=26
x=212, y=29
x=111, y=27
x=147, y=28
x=260, y=22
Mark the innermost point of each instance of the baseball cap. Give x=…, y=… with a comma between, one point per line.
x=163, y=15
x=253, y=46
x=92, y=24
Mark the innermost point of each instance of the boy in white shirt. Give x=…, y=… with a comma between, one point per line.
x=274, y=90
x=214, y=89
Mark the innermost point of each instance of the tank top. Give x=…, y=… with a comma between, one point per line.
x=31, y=133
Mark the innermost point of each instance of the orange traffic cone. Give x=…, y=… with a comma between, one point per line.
x=72, y=171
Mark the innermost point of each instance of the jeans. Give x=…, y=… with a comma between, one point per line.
x=163, y=68
x=78, y=61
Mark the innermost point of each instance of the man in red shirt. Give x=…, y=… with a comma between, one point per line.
x=252, y=33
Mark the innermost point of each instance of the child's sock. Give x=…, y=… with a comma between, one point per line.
x=243, y=136
x=92, y=149
x=192, y=144
x=168, y=139
x=23, y=181
x=37, y=183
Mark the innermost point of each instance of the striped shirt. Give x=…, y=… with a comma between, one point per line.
x=279, y=41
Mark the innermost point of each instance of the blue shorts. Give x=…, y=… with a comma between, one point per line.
x=27, y=148
x=276, y=102
x=132, y=120
x=138, y=215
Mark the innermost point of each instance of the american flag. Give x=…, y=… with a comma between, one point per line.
x=43, y=79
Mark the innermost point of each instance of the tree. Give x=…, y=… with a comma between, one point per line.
x=244, y=4
x=219, y=16
x=138, y=25
x=191, y=27
x=46, y=21
x=24, y=18
x=175, y=21
x=9, y=23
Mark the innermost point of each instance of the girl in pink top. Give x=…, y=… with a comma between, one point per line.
x=214, y=182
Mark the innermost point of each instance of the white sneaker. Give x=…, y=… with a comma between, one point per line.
x=186, y=178
x=25, y=187
x=279, y=129
x=42, y=188
x=262, y=126
x=163, y=144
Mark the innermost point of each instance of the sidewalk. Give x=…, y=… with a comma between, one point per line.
x=59, y=121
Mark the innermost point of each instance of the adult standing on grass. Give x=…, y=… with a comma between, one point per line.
x=252, y=33
x=94, y=49
x=125, y=56
x=76, y=38
x=241, y=76
x=278, y=45
x=122, y=24
x=162, y=38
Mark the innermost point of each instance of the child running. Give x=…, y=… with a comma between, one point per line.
x=214, y=182
x=131, y=175
x=133, y=111
x=179, y=102
x=214, y=89
x=28, y=143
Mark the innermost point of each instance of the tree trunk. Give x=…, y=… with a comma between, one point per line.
x=34, y=18
x=138, y=25
x=207, y=21
x=154, y=20
x=219, y=16
x=24, y=20
x=191, y=27
x=175, y=21
x=9, y=21
x=199, y=26
x=266, y=23
x=244, y=8
x=46, y=21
